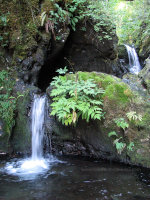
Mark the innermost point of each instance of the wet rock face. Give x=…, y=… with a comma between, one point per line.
x=83, y=140
x=85, y=51
x=145, y=75
x=32, y=64
x=20, y=140
x=47, y=51
x=144, y=51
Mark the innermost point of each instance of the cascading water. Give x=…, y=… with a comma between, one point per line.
x=37, y=127
x=36, y=163
x=134, y=63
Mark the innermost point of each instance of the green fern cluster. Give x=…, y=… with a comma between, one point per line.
x=7, y=102
x=73, y=98
x=66, y=12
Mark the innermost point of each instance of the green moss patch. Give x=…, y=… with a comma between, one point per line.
x=115, y=89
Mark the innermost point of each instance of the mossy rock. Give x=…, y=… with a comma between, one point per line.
x=21, y=136
x=118, y=100
x=145, y=47
x=115, y=90
x=145, y=74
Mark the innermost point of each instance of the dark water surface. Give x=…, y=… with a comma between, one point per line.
x=74, y=179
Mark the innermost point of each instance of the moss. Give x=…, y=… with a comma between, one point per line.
x=145, y=120
x=118, y=92
x=21, y=137
x=115, y=90
x=46, y=6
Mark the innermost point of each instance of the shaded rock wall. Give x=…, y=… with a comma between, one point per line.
x=86, y=52
x=20, y=140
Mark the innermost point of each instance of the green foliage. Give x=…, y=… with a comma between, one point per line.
x=133, y=116
x=113, y=133
x=69, y=12
x=3, y=30
x=62, y=71
x=130, y=146
x=120, y=145
x=98, y=11
x=130, y=24
x=7, y=103
x=120, y=122
x=73, y=98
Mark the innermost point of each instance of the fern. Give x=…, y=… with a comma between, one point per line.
x=62, y=71
x=133, y=116
x=130, y=146
x=74, y=98
x=113, y=133
x=120, y=122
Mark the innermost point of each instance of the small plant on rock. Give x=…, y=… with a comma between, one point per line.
x=118, y=141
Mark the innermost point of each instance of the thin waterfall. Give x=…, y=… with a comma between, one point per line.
x=134, y=63
x=37, y=126
x=29, y=168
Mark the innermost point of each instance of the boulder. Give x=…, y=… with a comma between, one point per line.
x=91, y=139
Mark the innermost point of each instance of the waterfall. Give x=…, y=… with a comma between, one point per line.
x=30, y=167
x=134, y=63
x=37, y=127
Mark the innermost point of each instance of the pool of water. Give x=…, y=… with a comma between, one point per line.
x=73, y=179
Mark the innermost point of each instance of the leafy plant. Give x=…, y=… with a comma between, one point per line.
x=120, y=122
x=67, y=13
x=73, y=98
x=120, y=145
x=134, y=116
x=130, y=146
x=7, y=101
x=62, y=71
x=113, y=133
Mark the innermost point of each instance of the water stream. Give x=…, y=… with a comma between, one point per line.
x=134, y=63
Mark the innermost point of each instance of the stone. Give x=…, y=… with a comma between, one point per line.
x=91, y=139
x=145, y=74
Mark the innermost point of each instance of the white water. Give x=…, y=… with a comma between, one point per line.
x=134, y=63
x=37, y=127
x=36, y=164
